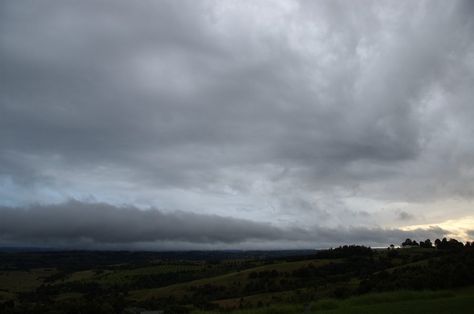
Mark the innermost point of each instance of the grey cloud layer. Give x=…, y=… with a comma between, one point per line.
x=146, y=86
x=77, y=223
x=326, y=98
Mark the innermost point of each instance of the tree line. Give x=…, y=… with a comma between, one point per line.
x=443, y=244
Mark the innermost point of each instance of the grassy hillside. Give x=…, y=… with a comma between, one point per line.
x=235, y=281
x=350, y=279
x=458, y=301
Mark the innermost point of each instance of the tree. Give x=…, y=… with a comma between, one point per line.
x=450, y=244
x=407, y=242
x=426, y=244
x=444, y=243
x=455, y=244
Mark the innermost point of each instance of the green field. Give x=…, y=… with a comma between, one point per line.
x=232, y=280
x=401, y=302
x=21, y=281
x=350, y=279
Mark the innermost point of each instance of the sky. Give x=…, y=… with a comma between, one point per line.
x=235, y=124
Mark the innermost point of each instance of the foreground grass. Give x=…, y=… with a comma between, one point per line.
x=401, y=302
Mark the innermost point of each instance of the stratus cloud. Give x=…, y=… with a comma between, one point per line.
x=101, y=223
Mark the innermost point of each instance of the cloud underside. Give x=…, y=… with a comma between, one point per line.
x=189, y=95
x=313, y=113
x=98, y=224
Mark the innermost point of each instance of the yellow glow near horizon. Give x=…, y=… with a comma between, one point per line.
x=457, y=228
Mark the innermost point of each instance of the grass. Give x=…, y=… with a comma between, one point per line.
x=458, y=305
x=400, y=302
x=231, y=287
x=4, y=295
x=125, y=275
x=117, y=276
x=227, y=280
x=22, y=281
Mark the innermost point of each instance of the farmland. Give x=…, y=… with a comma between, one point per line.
x=349, y=279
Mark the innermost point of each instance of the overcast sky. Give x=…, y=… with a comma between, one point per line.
x=235, y=124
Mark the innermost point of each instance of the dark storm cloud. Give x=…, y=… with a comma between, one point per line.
x=109, y=224
x=303, y=104
x=99, y=223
